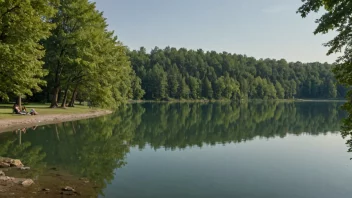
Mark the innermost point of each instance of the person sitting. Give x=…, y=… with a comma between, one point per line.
x=24, y=110
x=17, y=110
x=33, y=112
x=14, y=108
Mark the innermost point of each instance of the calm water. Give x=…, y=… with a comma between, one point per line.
x=198, y=150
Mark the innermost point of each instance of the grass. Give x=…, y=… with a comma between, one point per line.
x=42, y=109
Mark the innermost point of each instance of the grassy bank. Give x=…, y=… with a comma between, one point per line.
x=42, y=109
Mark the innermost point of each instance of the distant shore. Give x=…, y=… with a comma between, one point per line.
x=227, y=100
x=9, y=124
x=320, y=100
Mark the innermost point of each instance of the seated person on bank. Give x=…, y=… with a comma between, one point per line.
x=24, y=110
x=17, y=110
x=33, y=112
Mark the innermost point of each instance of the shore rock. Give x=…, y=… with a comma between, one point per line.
x=4, y=165
x=16, y=163
x=2, y=173
x=68, y=188
x=10, y=181
x=6, y=178
x=6, y=162
x=27, y=182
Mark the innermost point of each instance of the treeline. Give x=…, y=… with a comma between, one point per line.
x=189, y=74
x=61, y=51
x=64, y=49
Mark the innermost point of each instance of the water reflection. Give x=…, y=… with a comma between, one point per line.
x=181, y=125
x=94, y=148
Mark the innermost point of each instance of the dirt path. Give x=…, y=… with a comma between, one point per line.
x=9, y=124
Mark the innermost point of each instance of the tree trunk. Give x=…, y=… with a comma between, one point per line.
x=19, y=102
x=74, y=94
x=63, y=104
x=55, y=96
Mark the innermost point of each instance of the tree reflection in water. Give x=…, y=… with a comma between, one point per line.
x=95, y=148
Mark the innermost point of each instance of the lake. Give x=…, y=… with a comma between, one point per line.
x=257, y=149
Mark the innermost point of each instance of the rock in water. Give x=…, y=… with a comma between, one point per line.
x=27, y=182
x=2, y=173
x=25, y=168
x=5, y=178
x=4, y=165
x=68, y=188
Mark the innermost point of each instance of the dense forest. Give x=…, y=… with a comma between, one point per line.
x=61, y=51
x=189, y=74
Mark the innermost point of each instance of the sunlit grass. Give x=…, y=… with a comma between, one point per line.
x=42, y=109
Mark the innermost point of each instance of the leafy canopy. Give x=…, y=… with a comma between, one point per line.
x=338, y=18
x=22, y=25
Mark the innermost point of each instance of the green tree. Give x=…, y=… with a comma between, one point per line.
x=183, y=90
x=332, y=92
x=195, y=87
x=231, y=87
x=156, y=83
x=82, y=54
x=337, y=18
x=219, y=87
x=233, y=76
x=137, y=91
x=22, y=25
x=172, y=77
x=207, y=90
x=280, y=92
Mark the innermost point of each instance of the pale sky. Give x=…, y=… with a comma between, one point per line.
x=258, y=28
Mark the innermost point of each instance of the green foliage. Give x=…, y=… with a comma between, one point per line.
x=156, y=83
x=197, y=74
x=83, y=60
x=207, y=89
x=137, y=91
x=173, y=83
x=337, y=18
x=22, y=25
x=82, y=54
x=194, y=86
x=183, y=91
x=280, y=92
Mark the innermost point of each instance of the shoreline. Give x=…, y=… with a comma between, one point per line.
x=226, y=100
x=9, y=124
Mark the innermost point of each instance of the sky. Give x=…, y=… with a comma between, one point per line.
x=257, y=28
